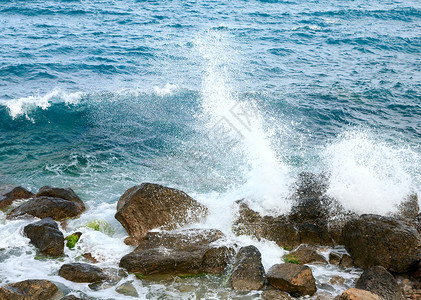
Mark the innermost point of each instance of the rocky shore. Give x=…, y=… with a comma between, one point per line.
x=317, y=231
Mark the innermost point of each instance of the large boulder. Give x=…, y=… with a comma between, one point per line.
x=375, y=240
x=183, y=252
x=44, y=207
x=10, y=193
x=357, y=294
x=380, y=282
x=63, y=193
x=295, y=279
x=305, y=254
x=148, y=206
x=31, y=289
x=80, y=272
x=248, y=272
x=46, y=236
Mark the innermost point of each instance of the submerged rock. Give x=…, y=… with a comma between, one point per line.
x=305, y=254
x=46, y=236
x=148, y=206
x=10, y=193
x=63, y=193
x=183, y=252
x=357, y=294
x=248, y=272
x=44, y=207
x=30, y=289
x=295, y=279
x=79, y=272
x=380, y=282
x=334, y=258
x=375, y=240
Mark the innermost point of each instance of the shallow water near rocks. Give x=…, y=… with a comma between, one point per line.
x=223, y=100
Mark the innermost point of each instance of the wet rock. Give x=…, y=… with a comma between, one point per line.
x=334, y=258
x=67, y=194
x=337, y=280
x=305, y=254
x=248, y=272
x=44, y=207
x=357, y=294
x=72, y=239
x=148, y=206
x=89, y=257
x=79, y=272
x=46, y=236
x=375, y=240
x=71, y=297
x=295, y=279
x=380, y=282
x=10, y=193
x=409, y=208
x=127, y=289
x=31, y=289
x=182, y=252
x=274, y=294
x=346, y=261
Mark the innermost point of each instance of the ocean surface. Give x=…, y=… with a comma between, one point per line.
x=224, y=100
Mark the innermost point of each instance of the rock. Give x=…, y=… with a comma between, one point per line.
x=409, y=208
x=295, y=279
x=73, y=239
x=89, y=257
x=46, y=236
x=71, y=297
x=337, y=280
x=127, y=289
x=305, y=254
x=176, y=253
x=67, y=194
x=248, y=272
x=148, y=206
x=346, y=261
x=80, y=272
x=334, y=258
x=375, y=240
x=31, y=289
x=10, y=193
x=380, y=282
x=272, y=294
x=356, y=294
x=44, y=207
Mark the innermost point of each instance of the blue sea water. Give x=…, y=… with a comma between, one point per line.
x=223, y=99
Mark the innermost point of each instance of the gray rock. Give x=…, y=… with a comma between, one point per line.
x=67, y=194
x=46, y=236
x=80, y=272
x=380, y=282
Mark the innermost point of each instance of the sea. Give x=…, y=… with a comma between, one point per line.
x=225, y=100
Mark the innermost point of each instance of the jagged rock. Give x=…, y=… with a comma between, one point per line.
x=46, y=236
x=275, y=294
x=375, y=240
x=346, y=261
x=30, y=289
x=182, y=252
x=248, y=272
x=10, y=193
x=148, y=206
x=357, y=294
x=380, y=282
x=334, y=258
x=67, y=194
x=79, y=272
x=337, y=280
x=295, y=279
x=305, y=254
x=44, y=207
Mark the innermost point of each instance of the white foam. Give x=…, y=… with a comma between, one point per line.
x=368, y=175
x=22, y=106
x=167, y=90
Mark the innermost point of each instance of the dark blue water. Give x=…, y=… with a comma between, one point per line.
x=98, y=93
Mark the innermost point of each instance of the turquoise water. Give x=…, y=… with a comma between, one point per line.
x=223, y=99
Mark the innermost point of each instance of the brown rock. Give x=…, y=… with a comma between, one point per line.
x=346, y=261
x=31, y=289
x=380, y=282
x=67, y=194
x=248, y=272
x=306, y=254
x=79, y=272
x=148, y=206
x=71, y=297
x=337, y=280
x=46, y=236
x=44, y=207
x=334, y=258
x=356, y=294
x=375, y=240
x=175, y=253
x=295, y=279
x=272, y=294
x=10, y=193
